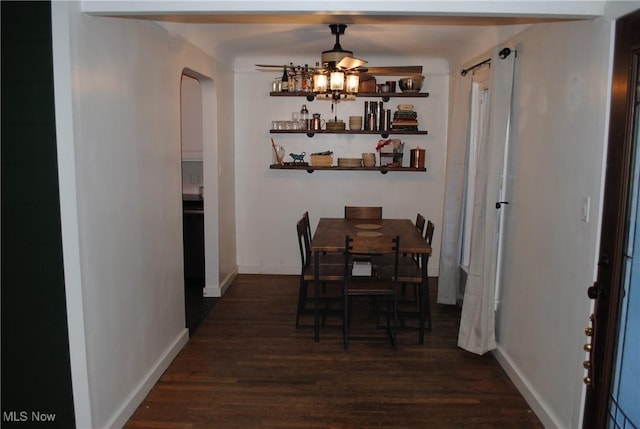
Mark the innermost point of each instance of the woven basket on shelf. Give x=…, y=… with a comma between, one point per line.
x=322, y=160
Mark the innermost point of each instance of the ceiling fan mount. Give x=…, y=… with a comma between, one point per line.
x=333, y=56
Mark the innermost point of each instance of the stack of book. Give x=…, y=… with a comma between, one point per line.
x=405, y=118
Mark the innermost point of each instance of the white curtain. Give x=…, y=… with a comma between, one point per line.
x=477, y=324
x=449, y=273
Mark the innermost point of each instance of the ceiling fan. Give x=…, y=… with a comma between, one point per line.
x=342, y=59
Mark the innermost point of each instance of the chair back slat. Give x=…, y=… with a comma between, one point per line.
x=361, y=212
x=420, y=222
x=303, y=243
x=307, y=221
x=370, y=245
x=429, y=234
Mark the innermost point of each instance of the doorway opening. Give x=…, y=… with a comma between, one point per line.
x=193, y=218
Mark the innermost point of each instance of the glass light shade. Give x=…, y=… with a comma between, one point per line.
x=353, y=81
x=337, y=81
x=320, y=83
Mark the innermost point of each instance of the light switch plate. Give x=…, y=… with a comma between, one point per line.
x=586, y=206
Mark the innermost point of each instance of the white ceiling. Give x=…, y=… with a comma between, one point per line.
x=248, y=28
x=296, y=40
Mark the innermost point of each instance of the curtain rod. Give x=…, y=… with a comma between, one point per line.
x=475, y=66
x=504, y=53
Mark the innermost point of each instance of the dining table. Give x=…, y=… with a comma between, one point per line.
x=330, y=236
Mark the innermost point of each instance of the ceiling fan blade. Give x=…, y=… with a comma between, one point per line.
x=270, y=66
x=395, y=70
x=273, y=66
x=349, y=63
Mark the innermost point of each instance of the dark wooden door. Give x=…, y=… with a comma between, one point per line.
x=616, y=260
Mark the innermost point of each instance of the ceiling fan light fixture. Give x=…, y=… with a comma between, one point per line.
x=320, y=83
x=352, y=83
x=336, y=80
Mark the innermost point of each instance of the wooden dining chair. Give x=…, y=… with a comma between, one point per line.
x=329, y=273
x=362, y=212
x=410, y=274
x=413, y=275
x=420, y=224
x=405, y=259
x=326, y=257
x=378, y=286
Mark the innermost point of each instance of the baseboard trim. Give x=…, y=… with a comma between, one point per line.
x=130, y=405
x=539, y=407
x=269, y=270
x=218, y=291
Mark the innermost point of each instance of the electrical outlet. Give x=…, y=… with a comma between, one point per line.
x=195, y=179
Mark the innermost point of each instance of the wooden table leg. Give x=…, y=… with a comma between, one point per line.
x=316, y=296
x=424, y=290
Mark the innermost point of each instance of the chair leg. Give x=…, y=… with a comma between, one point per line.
x=427, y=305
x=345, y=322
x=302, y=299
x=394, y=334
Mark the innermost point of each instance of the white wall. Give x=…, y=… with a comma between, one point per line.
x=560, y=106
x=269, y=202
x=118, y=107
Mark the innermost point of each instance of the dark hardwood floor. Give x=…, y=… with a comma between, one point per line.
x=247, y=366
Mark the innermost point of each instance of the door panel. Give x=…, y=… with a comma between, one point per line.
x=609, y=380
x=624, y=407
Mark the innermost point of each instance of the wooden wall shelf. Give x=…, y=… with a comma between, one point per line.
x=383, y=133
x=311, y=168
x=384, y=95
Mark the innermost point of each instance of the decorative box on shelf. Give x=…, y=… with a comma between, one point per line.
x=367, y=85
x=321, y=160
x=391, y=159
x=393, y=156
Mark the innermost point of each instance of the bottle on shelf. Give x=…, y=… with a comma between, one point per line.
x=292, y=78
x=304, y=117
x=380, y=116
x=372, y=116
x=298, y=79
x=305, y=78
x=366, y=115
x=284, y=86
